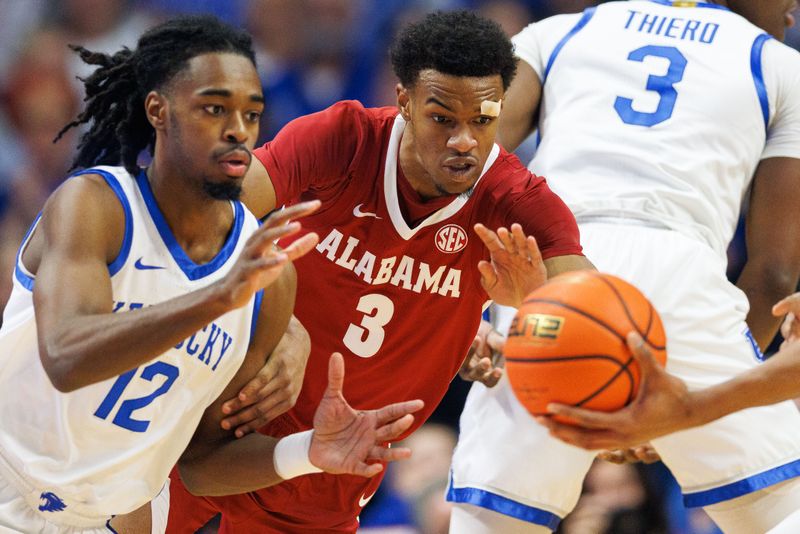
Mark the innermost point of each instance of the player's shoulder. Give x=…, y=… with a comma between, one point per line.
x=100, y=186
x=357, y=111
x=781, y=55
x=509, y=176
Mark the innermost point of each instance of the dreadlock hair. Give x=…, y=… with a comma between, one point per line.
x=116, y=90
x=458, y=43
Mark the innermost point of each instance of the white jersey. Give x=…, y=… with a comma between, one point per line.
x=692, y=99
x=108, y=448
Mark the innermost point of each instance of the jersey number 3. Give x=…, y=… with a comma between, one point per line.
x=663, y=85
x=366, y=340
x=123, y=417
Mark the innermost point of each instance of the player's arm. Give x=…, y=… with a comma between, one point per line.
x=520, y=107
x=564, y=264
x=258, y=192
x=773, y=243
x=275, y=387
x=81, y=232
x=216, y=463
x=664, y=405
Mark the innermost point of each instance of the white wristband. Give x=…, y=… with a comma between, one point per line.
x=291, y=455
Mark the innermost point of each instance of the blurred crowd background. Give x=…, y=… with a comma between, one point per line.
x=311, y=53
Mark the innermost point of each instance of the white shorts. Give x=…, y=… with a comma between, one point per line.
x=16, y=515
x=506, y=462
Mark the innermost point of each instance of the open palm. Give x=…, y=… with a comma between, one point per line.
x=347, y=441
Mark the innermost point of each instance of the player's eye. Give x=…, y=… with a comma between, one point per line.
x=214, y=109
x=440, y=119
x=254, y=116
x=483, y=119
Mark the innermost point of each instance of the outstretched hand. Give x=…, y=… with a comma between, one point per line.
x=515, y=267
x=661, y=407
x=346, y=441
x=261, y=261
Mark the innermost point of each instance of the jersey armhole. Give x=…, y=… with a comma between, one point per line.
x=758, y=75
x=113, y=183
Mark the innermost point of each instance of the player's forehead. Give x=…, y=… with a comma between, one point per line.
x=464, y=92
x=225, y=71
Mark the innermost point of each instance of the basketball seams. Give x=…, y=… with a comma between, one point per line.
x=623, y=368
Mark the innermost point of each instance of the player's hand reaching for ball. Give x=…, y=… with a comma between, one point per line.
x=348, y=441
x=515, y=266
x=261, y=261
x=661, y=407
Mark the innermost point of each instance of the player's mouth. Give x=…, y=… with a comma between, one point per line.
x=460, y=168
x=235, y=163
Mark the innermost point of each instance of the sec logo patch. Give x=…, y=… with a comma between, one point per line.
x=451, y=238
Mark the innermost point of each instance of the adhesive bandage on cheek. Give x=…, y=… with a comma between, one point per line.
x=491, y=108
x=291, y=456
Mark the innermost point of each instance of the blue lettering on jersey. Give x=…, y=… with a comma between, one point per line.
x=672, y=27
x=52, y=502
x=208, y=345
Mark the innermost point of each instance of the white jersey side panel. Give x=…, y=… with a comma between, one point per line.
x=108, y=448
x=666, y=101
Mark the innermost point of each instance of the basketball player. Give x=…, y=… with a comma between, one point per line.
x=393, y=283
x=652, y=117
x=138, y=297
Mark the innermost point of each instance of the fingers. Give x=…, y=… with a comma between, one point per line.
x=302, y=246
x=584, y=418
x=631, y=455
x=507, y=239
x=335, y=374
x=280, y=217
x=386, y=454
x=395, y=429
x=367, y=470
x=641, y=353
x=397, y=410
x=579, y=437
x=488, y=274
x=646, y=454
x=790, y=304
x=489, y=238
x=263, y=239
x=253, y=418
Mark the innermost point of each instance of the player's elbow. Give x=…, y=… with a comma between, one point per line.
x=62, y=376
x=775, y=279
x=198, y=482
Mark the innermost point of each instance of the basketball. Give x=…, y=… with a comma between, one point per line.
x=567, y=344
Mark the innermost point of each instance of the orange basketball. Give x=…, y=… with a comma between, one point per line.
x=567, y=342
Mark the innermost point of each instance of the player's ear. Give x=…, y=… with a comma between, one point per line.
x=403, y=101
x=155, y=108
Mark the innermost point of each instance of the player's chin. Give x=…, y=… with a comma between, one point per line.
x=457, y=181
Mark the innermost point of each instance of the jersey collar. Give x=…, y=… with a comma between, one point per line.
x=390, y=186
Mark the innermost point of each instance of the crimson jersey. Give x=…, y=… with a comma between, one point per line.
x=402, y=303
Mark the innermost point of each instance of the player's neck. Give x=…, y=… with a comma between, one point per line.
x=199, y=223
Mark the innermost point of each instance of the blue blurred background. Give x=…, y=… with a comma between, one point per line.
x=311, y=53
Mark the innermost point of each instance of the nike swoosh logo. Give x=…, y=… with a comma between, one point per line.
x=142, y=267
x=358, y=213
x=362, y=501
